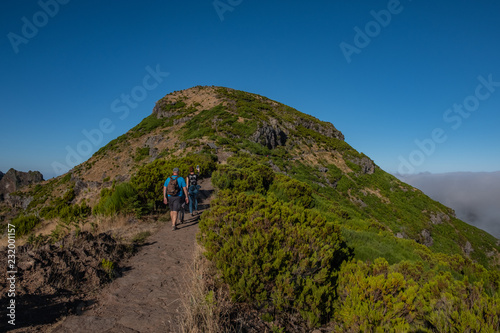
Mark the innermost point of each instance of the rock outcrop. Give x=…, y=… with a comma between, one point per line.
x=325, y=129
x=269, y=136
x=13, y=180
x=439, y=218
x=426, y=238
x=367, y=166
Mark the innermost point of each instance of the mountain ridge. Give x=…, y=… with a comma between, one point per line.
x=284, y=180
x=193, y=120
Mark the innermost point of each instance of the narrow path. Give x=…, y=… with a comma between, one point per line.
x=147, y=297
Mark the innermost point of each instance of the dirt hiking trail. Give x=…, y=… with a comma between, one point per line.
x=147, y=296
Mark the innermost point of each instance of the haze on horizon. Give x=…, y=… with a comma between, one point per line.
x=473, y=195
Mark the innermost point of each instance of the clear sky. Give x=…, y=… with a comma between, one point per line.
x=415, y=85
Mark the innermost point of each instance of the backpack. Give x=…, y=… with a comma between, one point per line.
x=192, y=179
x=173, y=186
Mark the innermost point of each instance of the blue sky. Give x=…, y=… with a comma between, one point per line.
x=415, y=85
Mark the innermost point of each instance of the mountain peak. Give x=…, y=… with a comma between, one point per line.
x=204, y=97
x=265, y=116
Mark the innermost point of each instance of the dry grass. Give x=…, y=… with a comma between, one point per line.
x=206, y=306
x=121, y=227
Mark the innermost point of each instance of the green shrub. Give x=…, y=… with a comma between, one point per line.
x=122, y=199
x=402, y=298
x=63, y=208
x=243, y=174
x=63, y=180
x=147, y=125
x=25, y=223
x=275, y=255
x=109, y=267
x=141, y=153
x=74, y=212
x=174, y=106
x=292, y=190
x=334, y=173
x=203, y=124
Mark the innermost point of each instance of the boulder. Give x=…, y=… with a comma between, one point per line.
x=426, y=238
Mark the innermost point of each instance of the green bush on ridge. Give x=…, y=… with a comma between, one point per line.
x=122, y=198
x=292, y=190
x=400, y=286
x=408, y=297
x=63, y=208
x=25, y=223
x=278, y=256
x=243, y=174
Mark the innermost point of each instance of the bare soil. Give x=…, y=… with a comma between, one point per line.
x=145, y=297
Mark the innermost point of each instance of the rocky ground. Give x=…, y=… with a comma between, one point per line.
x=65, y=287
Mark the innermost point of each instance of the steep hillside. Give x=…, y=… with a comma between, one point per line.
x=298, y=213
x=371, y=203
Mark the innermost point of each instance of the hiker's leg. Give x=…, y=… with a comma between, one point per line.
x=191, y=204
x=181, y=212
x=173, y=216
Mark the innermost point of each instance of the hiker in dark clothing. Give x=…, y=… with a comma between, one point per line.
x=173, y=188
x=193, y=189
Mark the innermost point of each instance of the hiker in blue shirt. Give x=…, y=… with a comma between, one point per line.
x=173, y=188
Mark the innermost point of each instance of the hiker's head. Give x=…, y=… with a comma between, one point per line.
x=176, y=171
x=191, y=169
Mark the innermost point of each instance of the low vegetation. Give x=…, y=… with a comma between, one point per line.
x=300, y=253
x=279, y=257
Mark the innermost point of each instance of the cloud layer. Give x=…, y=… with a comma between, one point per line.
x=475, y=196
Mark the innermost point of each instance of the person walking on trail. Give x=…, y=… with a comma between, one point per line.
x=193, y=187
x=173, y=188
